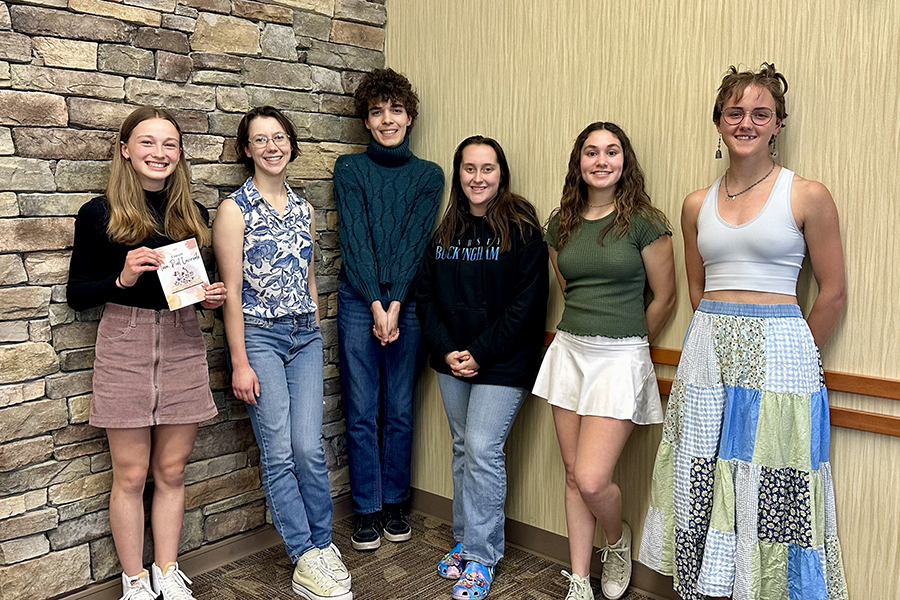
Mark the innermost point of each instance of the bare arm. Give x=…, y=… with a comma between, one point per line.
x=693, y=262
x=553, y=260
x=228, y=244
x=659, y=263
x=311, y=275
x=819, y=221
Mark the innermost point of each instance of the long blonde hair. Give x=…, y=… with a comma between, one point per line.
x=130, y=221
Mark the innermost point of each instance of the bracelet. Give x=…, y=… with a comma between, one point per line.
x=120, y=284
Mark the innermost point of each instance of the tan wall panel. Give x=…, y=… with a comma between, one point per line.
x=533, y=74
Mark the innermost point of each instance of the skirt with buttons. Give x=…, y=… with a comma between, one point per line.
x=150, y=369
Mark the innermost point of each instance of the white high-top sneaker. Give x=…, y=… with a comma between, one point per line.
x=171, y=585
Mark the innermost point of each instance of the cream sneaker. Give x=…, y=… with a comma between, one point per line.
x=338, y=569
x=313, y=580
x=579, y=587
x=616, y=566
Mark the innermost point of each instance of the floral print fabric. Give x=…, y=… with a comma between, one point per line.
x=278, y=250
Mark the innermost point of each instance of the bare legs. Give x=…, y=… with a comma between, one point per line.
x=133, y=455
x=590, y=448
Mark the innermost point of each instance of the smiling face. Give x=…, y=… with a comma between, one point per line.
x=388, y=122
x=602, y=160
x=269, y=147
x=747, y=138
x=479, y=176
x=154, y=149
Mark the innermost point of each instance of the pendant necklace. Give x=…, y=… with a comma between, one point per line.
x=731, y=196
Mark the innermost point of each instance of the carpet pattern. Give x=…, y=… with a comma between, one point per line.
x=393, y=572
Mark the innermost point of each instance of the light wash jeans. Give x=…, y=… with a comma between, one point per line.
x=377, y=385
x=480, y=418
x=286, y=354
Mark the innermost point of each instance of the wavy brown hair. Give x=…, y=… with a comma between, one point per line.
x=504, y=211
x=631, y=197
x=130, y=220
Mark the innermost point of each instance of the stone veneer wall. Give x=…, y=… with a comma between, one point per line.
x=70, y=71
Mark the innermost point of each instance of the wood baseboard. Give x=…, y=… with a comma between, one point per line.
x=549, y=545
x=209, y=557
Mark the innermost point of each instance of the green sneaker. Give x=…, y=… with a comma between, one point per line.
x=313, y=580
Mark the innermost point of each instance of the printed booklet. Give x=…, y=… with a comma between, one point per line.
x=182, y=274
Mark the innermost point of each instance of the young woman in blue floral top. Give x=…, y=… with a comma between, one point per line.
x=264, y=247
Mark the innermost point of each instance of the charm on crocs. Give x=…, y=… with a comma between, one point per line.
x=450, y=567
x=475, y=582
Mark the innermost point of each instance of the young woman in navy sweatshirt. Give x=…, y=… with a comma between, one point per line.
x=482, y=302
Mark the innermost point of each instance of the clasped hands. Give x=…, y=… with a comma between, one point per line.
x=386, y=327
x=143, y=259
x=461, y=363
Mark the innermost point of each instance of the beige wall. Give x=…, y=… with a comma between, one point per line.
x=532, y=74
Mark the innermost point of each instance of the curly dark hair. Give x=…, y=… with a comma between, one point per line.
x=383, y=85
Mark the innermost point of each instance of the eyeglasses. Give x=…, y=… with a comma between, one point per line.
x=759, y=116
x=262, y=141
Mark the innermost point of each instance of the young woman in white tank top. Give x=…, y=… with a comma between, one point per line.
x=737, y=495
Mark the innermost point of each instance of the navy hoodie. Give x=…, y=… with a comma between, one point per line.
x=472, y=297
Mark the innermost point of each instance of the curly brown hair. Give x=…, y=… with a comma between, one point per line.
x=735, y=82
x=383, y=85
x=631, y=197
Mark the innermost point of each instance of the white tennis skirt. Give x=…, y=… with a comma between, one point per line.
x=601, y=377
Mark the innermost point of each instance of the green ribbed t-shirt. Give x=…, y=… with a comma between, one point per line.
x=605, y=284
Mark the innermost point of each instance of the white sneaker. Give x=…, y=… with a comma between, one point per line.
x=171, y=585
x=313, y=580
x=579, y=587
x=339, y=572
x=137, y=587
x=616, y=566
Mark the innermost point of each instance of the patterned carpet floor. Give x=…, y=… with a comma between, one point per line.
x=393, y=572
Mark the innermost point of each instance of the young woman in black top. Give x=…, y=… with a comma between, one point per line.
x=151, y=380
x=482, y=302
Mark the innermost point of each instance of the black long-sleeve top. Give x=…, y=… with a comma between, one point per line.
x=472, y=297
x=97, y=261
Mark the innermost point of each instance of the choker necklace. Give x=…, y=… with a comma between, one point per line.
x=731, y=196
x=600, y=205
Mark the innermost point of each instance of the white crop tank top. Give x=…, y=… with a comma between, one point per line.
x=762, y=255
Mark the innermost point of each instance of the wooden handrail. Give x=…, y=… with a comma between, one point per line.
x=835, y=381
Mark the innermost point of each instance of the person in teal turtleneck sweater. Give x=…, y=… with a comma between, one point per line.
x=387, y=200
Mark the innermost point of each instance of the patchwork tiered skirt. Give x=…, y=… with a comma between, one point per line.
x=742, y=502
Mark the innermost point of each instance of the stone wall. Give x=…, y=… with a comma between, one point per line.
x=70, y=71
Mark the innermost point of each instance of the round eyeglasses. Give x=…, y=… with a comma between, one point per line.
x=262, y=141
x=759, y=116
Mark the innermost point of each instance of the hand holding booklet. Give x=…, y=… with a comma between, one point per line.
x=182, y=274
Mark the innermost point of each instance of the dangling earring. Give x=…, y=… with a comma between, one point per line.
x=719, y=149
x=773, y=153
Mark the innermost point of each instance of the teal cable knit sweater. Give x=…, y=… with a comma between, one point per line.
x=387, y=200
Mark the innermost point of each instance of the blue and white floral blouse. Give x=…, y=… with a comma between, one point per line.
x=277, y=252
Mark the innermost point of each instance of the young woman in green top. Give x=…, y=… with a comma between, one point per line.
x=607, y=243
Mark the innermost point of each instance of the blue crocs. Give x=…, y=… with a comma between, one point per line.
x=451, y=565
x=475, y=582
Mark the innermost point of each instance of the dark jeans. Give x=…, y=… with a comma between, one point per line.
x=377, y=381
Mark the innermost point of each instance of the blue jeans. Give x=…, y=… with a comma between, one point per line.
x=480, y=418
x=377, y=379
x=286, y=354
